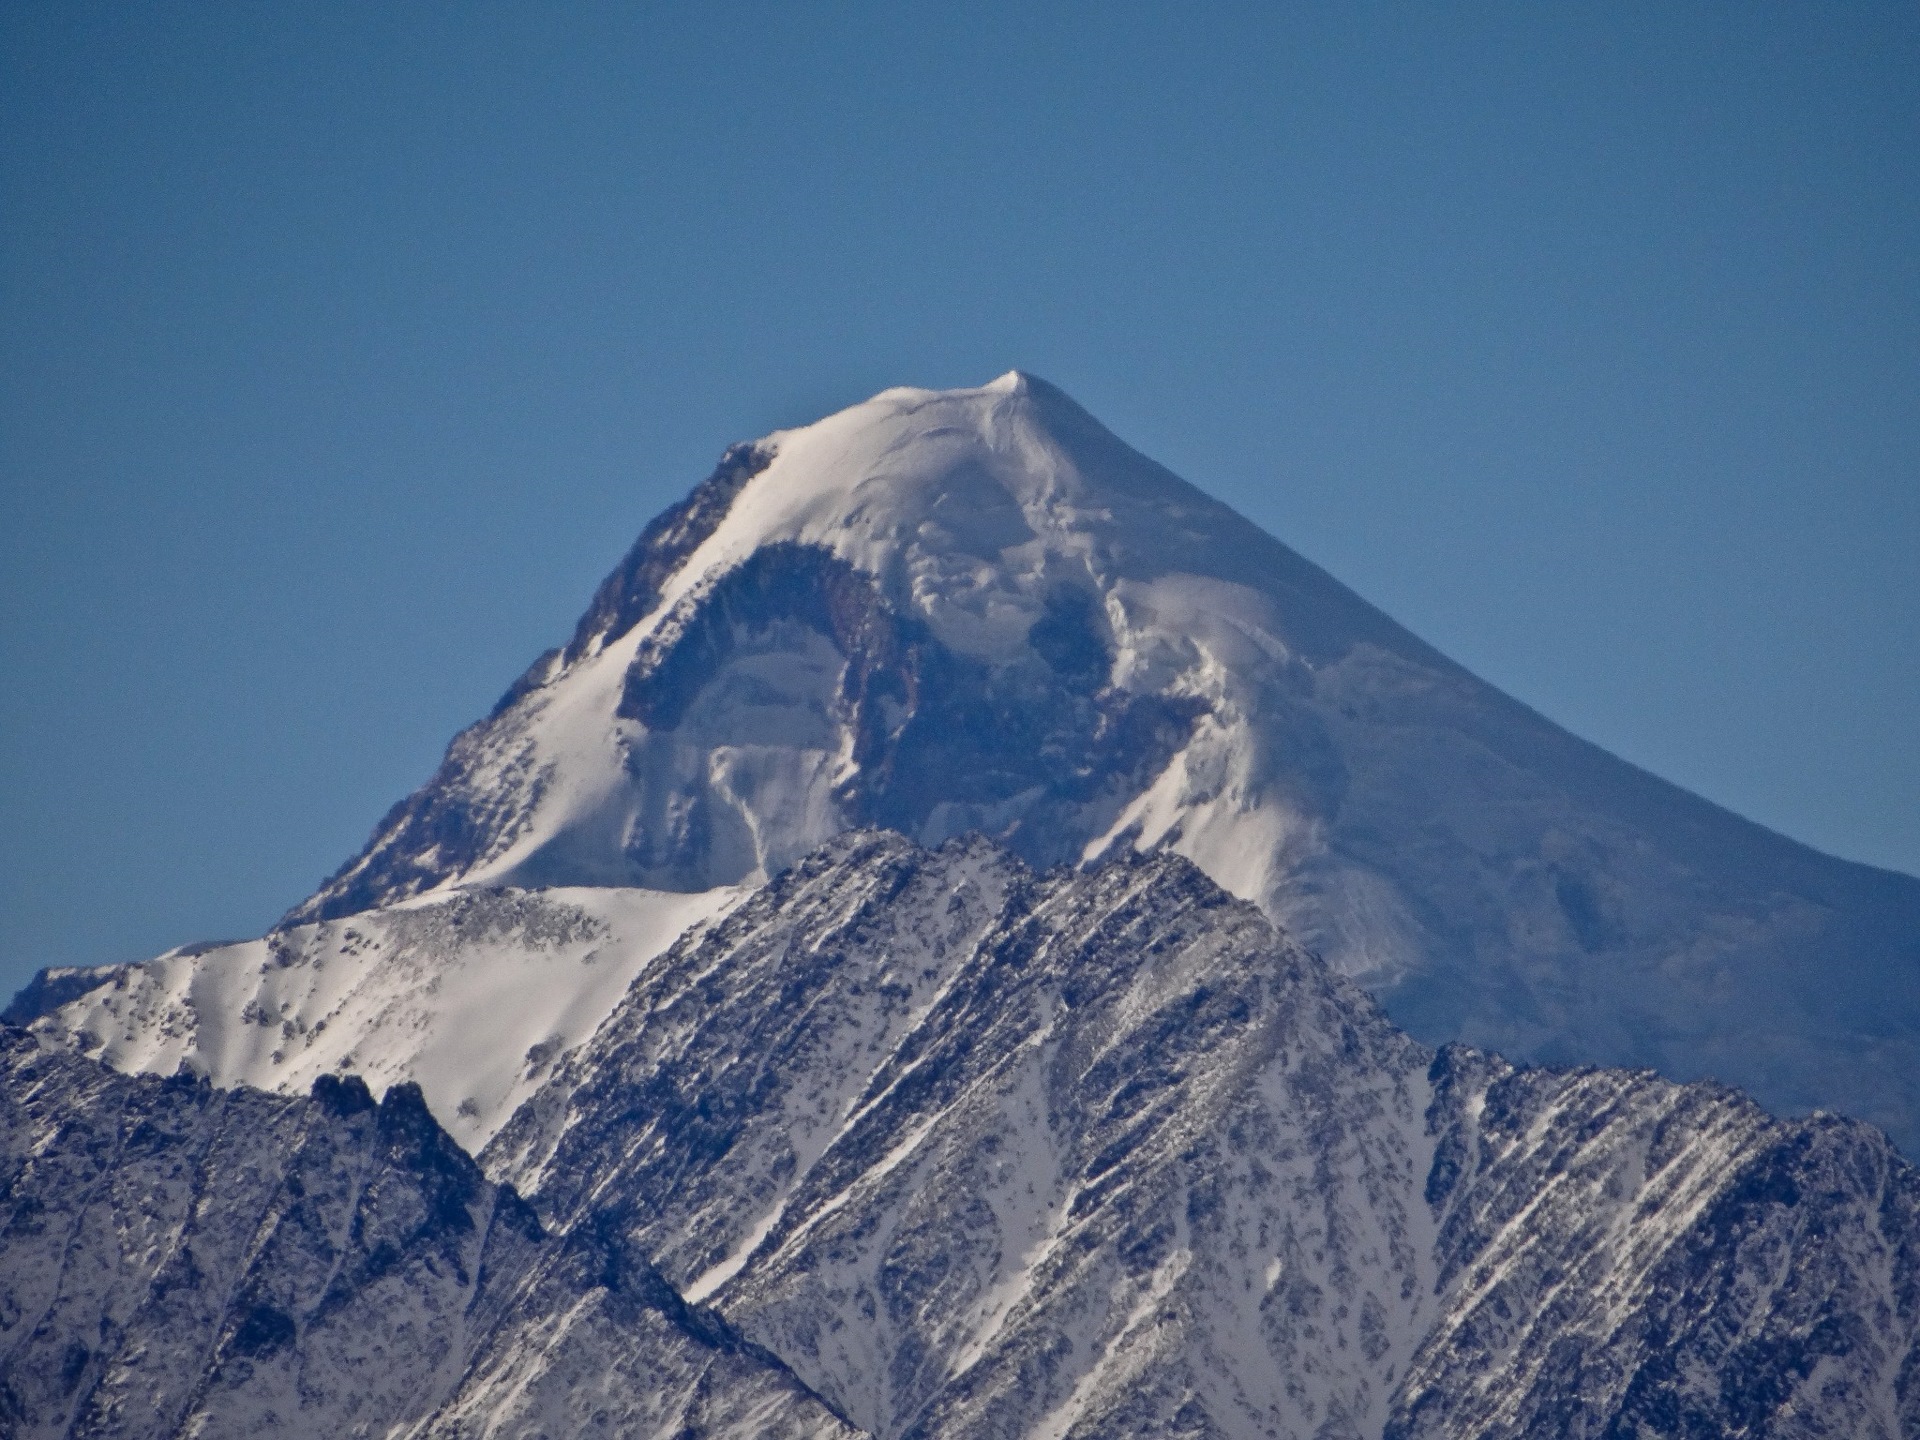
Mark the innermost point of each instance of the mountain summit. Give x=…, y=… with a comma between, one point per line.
x=937, y=611
x=978, y=610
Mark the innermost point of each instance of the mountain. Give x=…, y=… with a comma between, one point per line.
x=978, y=610
x=177, y=1260
x=920, y=1143
x=978, y=1153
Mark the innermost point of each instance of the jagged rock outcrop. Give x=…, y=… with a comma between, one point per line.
x=980, y=1152
x=178, y=1260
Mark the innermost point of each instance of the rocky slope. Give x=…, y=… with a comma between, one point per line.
x=177, y=1260
x=979, y=1152
x=929, y=1144
x=1625, y=1256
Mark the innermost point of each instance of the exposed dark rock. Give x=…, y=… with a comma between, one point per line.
x=176, y=1260
x=51, y=988
x=933, y=731
x=630, y=593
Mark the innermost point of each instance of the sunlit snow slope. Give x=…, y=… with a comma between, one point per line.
x=979, y=610
x=475, y=996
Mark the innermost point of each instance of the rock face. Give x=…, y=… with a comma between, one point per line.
x=1624, y=1256
x=979, y=1152
x=177, y=1260
x=978, y=610
x=925, y=1144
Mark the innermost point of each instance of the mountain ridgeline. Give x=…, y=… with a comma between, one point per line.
x=923, y=1143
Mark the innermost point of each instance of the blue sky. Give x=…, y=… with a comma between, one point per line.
x=343, y=348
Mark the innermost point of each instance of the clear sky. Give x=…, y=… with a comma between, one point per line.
x=344, y=347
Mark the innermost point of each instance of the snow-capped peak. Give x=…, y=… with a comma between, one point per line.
x=978, y=609
x=965, y=504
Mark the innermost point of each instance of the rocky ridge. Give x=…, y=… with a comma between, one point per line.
x=178, y=1260
x=983, y=1152
x=927, y=1143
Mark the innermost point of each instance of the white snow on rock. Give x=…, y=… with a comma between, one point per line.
x=978, y=1152
x=474, y=995
x=924, y=1145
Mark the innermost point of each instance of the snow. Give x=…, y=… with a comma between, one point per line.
x=970, y=506
x=474, y=995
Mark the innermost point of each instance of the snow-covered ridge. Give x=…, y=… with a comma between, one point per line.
x=474, y=995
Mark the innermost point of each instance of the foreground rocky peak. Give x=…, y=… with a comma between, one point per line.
x=177, y=1260
x=983, y=1152
x=925, y=1143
